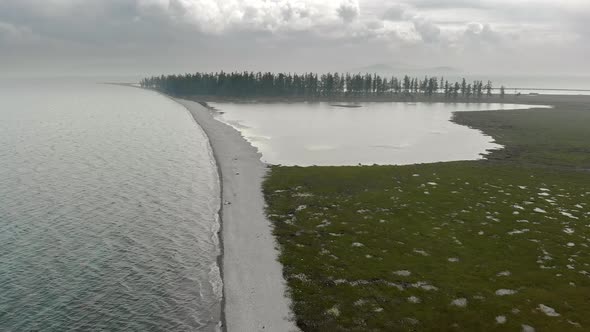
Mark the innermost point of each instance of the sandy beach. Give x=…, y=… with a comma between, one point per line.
x=255, y=296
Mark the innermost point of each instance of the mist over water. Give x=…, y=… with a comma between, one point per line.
x=324, y=134
x=108, y=211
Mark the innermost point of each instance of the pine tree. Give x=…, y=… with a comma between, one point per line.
x=463, y=88
x=407, y=84
x=310, y=85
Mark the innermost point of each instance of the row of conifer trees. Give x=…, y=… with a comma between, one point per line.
x=250, y=84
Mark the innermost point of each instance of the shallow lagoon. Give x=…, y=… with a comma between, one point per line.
x=326, y=134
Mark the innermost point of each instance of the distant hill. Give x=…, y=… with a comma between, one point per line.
x=402, y=69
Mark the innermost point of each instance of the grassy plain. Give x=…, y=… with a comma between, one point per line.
x=500, y=244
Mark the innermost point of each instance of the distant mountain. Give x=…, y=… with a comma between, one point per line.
x=403, y=69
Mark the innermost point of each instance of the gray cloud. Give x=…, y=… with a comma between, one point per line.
x=481, y=32
x=11, y=34
x=428, y=31
x=348, y=11
x=452, y=4
x=179, y=35
x=394, y=13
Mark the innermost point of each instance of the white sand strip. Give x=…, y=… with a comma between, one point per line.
x=254, y=288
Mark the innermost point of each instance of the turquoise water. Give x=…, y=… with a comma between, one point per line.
x=108, y=211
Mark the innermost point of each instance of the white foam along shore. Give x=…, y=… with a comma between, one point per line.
x=255, y=296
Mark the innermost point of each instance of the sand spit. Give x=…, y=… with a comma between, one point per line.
x=254, y=289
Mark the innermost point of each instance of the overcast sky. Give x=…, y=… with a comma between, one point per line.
x=154, y=36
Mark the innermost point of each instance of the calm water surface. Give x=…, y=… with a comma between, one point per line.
x=322, y=134
x=108, y=211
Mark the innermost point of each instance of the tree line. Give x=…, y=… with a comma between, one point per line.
x=312, y=85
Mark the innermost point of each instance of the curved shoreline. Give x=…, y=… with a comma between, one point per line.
x=254, y=291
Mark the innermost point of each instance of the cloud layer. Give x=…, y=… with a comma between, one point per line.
x=258, y=33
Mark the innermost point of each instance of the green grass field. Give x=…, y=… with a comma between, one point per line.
x=462, y=246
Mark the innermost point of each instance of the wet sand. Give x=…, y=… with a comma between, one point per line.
x=255, y=296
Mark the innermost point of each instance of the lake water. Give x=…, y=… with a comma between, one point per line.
x=322, y=134
x=108, y=211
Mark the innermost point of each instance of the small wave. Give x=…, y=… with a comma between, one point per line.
x=215, y=280
x=215, y=227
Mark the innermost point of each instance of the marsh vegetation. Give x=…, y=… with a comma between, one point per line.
x=500, y=244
